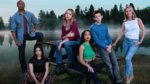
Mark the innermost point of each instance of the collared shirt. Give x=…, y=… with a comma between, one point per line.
x=17, y=24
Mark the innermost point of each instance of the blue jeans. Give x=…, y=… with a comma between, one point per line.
x=129, y=50
x=112, y=66
x=69, y=47
x=39, y=37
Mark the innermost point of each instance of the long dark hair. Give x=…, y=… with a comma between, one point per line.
x=82, y=40
x=41, y=48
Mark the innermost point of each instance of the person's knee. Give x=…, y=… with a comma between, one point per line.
x=127, y=59
x=66, y=44
x=108, y=65
x=57, y=44
x=41, y=35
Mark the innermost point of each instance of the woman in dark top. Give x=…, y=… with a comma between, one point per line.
x=70, y=36
x=38, y=68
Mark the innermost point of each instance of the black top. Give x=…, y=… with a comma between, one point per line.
x=38, y=65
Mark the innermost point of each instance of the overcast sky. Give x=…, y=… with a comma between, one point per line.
x=8, y=7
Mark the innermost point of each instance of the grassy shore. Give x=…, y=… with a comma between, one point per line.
x=11, y=74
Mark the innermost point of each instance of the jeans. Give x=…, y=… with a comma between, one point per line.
x=89, y=75
x=129, y=50
x=21, y=48
x=111, y=63
x=69, y=47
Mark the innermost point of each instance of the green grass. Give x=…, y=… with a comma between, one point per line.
x=12, y=75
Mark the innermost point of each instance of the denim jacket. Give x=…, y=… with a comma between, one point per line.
x=17, y=24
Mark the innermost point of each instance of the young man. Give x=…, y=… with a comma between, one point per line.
x=103, y=41
x=21, y=28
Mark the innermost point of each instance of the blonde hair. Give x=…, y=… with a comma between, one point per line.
x=133, y=13
x=65, y=23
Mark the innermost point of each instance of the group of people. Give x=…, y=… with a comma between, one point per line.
x=23, y=26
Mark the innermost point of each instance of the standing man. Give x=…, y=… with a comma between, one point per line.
x=23, y=25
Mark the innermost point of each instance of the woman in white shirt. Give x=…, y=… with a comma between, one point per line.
x=131, y=28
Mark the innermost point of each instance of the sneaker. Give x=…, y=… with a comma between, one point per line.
x=131, y=78
x=119, y=82
x=127, y=81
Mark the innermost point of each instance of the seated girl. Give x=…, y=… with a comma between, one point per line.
x=86, y=57
x=70, y=36
x=38, y=68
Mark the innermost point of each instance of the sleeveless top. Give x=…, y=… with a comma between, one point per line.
x=88, y=52
x=132, y=29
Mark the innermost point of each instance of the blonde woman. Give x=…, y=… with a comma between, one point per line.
x=69, y=39
x=131, y=30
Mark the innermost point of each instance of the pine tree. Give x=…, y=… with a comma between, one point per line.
x=2, y=27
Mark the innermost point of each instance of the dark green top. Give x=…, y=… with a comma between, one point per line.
x=88, y=52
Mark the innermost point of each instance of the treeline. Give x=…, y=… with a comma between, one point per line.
x=49, y=20
x=2, y=27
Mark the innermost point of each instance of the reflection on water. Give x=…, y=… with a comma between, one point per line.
x=1, y=39
x=9, y=51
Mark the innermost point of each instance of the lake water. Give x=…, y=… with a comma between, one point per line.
x=9, y=51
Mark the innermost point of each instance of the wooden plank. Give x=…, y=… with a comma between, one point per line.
x=50, y=42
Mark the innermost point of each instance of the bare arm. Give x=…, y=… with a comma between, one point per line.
x=94, y=57
x=65, y=40
x=32, y=73
x=46, y=72
x=81, y=56
x=143, y=30
x=119, y=35
x=62, y=42
x=90, y=69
